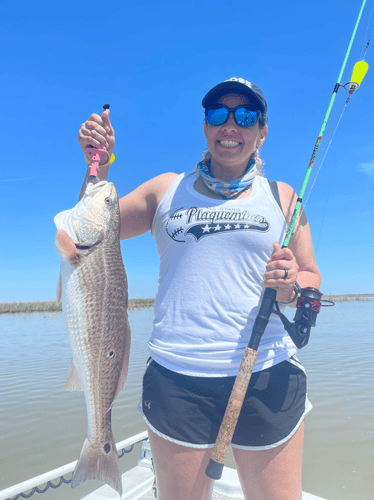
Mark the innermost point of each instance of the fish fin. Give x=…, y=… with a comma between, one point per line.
x=123, y=374
x=65, y=247
x=72, y=382
x=98, y=464
x=59, y=289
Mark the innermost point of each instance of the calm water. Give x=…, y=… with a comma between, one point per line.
x=42, y=426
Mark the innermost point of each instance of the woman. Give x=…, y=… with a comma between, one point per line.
x=219, y=231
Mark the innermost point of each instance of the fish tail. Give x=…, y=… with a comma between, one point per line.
x=99, y=464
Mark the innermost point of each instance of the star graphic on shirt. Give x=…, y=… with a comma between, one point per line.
x=246, y=226
x=227, y=226
x=206, y=229
x=217, y=228
x=237, y=226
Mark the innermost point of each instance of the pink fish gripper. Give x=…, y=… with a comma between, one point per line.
x=97, y=156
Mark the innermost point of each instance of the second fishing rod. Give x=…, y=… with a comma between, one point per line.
x=308, y=304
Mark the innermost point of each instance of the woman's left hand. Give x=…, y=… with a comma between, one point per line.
x=282, y=259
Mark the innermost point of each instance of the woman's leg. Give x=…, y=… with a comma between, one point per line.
x=180, y=470
x=273, y=474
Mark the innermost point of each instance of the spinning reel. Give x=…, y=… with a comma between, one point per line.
x=308, y=306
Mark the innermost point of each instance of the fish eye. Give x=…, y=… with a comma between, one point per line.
x=108, y=201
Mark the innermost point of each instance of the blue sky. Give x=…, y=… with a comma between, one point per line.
x=153, y=62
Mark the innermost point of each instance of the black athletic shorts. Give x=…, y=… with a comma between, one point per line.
x=188, y=410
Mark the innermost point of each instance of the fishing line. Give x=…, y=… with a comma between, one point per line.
x=324, y=156
x=328, y=196
x=364, y=50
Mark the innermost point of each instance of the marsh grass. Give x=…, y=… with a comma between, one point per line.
x=349, y=297
x=51, y=306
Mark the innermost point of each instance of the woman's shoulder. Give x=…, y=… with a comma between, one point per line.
x=286, y=191
x=165, y=179
x=282, y=186
x=149, y=194
x=158, y=186
x=287, y=197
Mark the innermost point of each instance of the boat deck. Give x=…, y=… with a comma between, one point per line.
x=216, y=496
x=219, y=496
x=137, y=485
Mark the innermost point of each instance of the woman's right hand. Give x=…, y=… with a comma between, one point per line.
x=97, y=131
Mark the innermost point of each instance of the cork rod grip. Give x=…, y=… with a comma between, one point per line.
x=226, y=431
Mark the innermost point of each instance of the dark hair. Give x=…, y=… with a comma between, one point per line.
x=263, y=119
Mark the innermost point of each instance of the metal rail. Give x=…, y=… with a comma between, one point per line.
x=20, y=488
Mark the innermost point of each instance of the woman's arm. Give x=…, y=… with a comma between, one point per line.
x=139, y=207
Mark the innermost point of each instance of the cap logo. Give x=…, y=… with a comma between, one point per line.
x=240, y=80
x=254, y=92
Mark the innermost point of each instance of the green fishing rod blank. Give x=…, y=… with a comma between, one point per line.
x=319, y=138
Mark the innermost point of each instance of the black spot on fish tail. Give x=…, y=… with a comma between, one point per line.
x=107, y=448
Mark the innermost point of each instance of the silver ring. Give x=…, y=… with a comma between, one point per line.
x=107, y=158
x=285, y=274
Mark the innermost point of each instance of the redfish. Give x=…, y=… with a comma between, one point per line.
x=93, y=289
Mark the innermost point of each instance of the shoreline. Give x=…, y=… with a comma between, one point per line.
x=51, y=305
x=349, y=297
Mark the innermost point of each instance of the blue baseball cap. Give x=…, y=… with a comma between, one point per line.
x=234, y=85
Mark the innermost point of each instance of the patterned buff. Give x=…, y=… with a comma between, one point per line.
x=227, y=189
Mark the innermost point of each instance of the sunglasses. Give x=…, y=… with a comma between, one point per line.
x=243, y=115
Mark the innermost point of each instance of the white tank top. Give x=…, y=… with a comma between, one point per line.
x=213, y=255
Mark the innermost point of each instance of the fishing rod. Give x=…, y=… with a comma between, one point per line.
x=96, y=157
x=308, y=304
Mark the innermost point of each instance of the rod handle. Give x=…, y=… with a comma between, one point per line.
x=214, y=469
x=234, y=406
x=230, y=419
x=262, y=318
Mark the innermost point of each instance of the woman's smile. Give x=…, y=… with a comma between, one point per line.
x=228, y=144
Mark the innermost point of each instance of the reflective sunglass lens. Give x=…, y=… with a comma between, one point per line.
x=245, y=117
x=217, y=116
